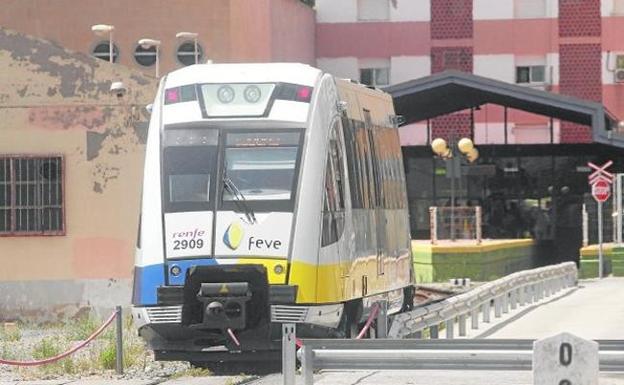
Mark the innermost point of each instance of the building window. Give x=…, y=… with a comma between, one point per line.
x=31, y=195
x=186, y=53
x=529, y=9
x=373, y=10
x=102, y=51
x=145, y=56
x=375, y=76
x=531, y=74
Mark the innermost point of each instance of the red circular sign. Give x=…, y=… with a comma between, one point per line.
x=601, y=190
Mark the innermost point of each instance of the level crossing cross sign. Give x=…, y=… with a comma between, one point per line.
x=600, y=181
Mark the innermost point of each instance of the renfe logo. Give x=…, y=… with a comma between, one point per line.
x=233, y=235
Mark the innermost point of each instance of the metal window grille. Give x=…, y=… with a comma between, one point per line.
x=31, y=195
x=467, y=220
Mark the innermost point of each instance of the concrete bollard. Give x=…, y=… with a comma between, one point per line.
x=565, y=359
x=289, y=362
x=497, y=307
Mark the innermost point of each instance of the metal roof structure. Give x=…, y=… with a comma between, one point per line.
x=452, y=91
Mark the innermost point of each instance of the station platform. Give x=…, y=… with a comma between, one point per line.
x=613, y=260
x=489, y=260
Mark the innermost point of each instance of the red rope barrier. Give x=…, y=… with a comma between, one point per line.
x=62, y=355
x=369, y=321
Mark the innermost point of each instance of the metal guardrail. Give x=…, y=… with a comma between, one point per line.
x=501, y=295
x=417, y=354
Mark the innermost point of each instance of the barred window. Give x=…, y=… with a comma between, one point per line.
x=31, y=195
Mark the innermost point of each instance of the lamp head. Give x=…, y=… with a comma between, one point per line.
x=440, y=147
x=472, y=155
x=102, y=29
x=186, y=35
x=465, y=145
x=147, y=43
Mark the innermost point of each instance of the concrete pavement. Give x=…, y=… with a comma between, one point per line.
x=425, y=377
x=594, y=311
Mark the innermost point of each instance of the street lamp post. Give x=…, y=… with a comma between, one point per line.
x=466, y=148
x=190, y=35
x=147, y=43
x=101, y=30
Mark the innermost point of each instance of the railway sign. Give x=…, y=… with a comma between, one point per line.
x=601, y=190
x=601, y=171
x=600, y=181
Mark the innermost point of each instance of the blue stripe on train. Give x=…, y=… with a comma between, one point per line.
x=147, y=279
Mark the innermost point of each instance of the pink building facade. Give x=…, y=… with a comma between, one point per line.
x=567, y=47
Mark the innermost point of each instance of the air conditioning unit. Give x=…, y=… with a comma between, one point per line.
x=619, y=75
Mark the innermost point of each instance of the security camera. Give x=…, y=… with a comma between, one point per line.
x=118, y=89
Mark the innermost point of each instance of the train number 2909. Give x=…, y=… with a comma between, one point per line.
x=188, y=244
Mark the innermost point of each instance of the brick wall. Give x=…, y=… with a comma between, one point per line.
x=451, y=19
x=580, y=63
x=443, y=126
x=579, y=18
x=451, y=58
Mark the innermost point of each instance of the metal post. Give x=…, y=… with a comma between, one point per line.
x=462, y=325
x=307, y=356
x=585, y=226
x=600, y=257
x=119, y=341
x=433, y=224
x=618, y=207
x=505, y=303
x=288, y=353
x=110, y=47
x=452, y=160
x=433, y=331
x=157, y=61
x=474, y=319
x=450, y=328
x=478, y=224
x=486, y=311
x=382, y=319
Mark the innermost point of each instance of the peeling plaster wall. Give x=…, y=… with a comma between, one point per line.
x=54, y=101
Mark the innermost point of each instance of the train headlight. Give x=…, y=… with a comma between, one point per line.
x=252, y=94
x=278, y=269
x=225, y=94
x=175, y=270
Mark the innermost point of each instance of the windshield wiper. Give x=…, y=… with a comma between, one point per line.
x=239, y=199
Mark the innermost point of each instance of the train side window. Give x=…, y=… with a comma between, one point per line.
x=353, y=165
x=334, y=193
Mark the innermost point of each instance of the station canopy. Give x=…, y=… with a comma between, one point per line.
x=452, y=91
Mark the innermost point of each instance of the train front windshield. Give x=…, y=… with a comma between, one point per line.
x=262, y=165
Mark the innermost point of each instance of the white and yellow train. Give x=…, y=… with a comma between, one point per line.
x=272, y=193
